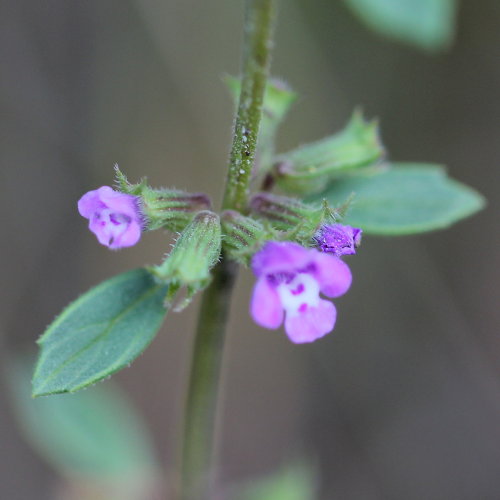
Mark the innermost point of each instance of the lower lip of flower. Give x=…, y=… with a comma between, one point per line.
x=299, y=293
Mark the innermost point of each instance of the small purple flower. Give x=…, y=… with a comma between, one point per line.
x=338, y=239
x=114, y=217
x=289, y=280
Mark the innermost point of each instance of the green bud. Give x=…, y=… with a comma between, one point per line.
x=171, y=209
x=299, y=220
x=242, y=236
x=283, y=212
x=310, y=168
x=194, y=253
x=164, y=208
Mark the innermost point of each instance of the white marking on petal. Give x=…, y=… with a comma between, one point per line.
x=302, y=290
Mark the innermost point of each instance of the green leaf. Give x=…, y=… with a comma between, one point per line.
x=295, y=482
x=100, y=333
x=407, y=198
x=426, y=24
x=95, y=434
x=310, y=168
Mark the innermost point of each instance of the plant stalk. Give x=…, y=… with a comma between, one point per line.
x=257, y=46
x=201, y=402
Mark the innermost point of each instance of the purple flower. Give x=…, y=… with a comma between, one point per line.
x=114, y=217
x=289, y=280
x=338, y=239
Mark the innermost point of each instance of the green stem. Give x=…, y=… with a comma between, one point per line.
x=258, y=30
x=200, y=410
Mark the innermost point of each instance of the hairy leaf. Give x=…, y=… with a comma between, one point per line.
x=100, y=333
x=405, y=199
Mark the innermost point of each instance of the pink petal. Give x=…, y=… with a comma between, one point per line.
x=102, y=233
x=311, y=324
x=129, y=238
x=90, y=202
x=119, y=202
x=280, y=256
x=265, y=307
x=333, y=274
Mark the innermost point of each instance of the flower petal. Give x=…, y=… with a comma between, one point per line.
x=333, y=274
x=312, y=323
x=119, y=202
x=265, y=307
x=280, y=256
x=128, y=238
x=101, y=230
x=90, y=202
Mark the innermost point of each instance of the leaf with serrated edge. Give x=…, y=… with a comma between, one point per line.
x=408, y=198
x=100, y=333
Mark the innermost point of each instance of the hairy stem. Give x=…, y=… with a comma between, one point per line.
x=200, y=410
x=257, y=47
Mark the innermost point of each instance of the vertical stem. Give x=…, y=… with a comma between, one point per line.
x=200, y=410
x=257, y=46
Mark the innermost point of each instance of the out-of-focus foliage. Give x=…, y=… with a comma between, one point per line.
x=100, y=333
x=405, y=199
x=95, y=435
x=294, y=482
x=427, y=24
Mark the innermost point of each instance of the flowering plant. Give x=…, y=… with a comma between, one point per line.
x=291, y=217
x=290, y=278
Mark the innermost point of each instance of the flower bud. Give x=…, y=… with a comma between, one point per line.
x=164, y=208
x=242, y=236
x=338, y=239
x=285, y=213
x=194, y=253
x=310, y=168
x=170, y=208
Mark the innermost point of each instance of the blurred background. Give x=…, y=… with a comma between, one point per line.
x=402, y=401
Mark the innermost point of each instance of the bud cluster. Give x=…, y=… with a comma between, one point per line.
x=270, y=225
x=243, y=235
